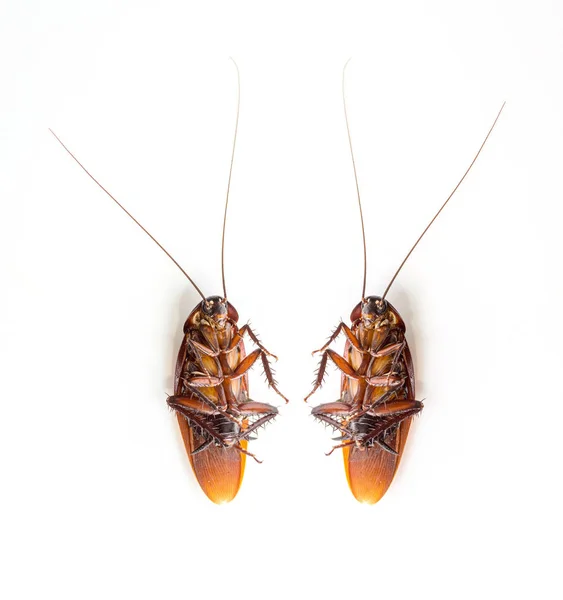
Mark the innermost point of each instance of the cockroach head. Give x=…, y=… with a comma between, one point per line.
x=372, y=308
x=218, y=310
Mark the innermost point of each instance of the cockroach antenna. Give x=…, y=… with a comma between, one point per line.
x=355, y=174
x=229, y=182
x=128, y=214
x=447, y=200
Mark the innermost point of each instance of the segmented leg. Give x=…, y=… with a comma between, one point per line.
x=399, y=351
x=241, y=449
x=245, y=365
x=202, y=405
x=203, y=447
x=385, y=446
x=387, y=421
x=334, y=423
x=320, y=375
x=194, y=418
x=257, y=408
x=246, y=329
x=344, y=445
x=270, y=376
x=205, y=349
x=203, y=381
x=339, y=361
x=349, y=334
x=359, y=413
x=256, y=425
x=199, y=395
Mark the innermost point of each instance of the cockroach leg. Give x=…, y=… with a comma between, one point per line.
x=393, y=408
x=339, y=361
x=194, y=418
x=206, y=407
x=338, y=408
x=392, y=348
x=344, y=445
x=369, y=407
x=268, y=411
x=399, y=347
x=205, y=381
x=385, y=380
x=333, y=423
x=204, y=399
x=207, y=350
x=270, y=376
x=245, y=365
x=256, y=408
x=388, y=421
x=349, y=334
x=343, y=364
x=241, y=449
x=203, y=446
x=246, y=329
x=385, y=446
x=257, y=424
x=320, y=376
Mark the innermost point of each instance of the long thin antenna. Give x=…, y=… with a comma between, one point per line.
x=447, y=200
x=128, y=214
x=229, y=183
x=355, y=176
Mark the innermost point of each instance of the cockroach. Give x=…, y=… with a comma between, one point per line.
x=377, y=394
x=211, y=400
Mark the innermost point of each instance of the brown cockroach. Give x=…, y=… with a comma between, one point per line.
x=377, y=395
x=215, y=413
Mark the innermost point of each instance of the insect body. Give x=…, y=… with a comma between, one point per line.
x=377, y=401
x=215, y=413
x=216, y=416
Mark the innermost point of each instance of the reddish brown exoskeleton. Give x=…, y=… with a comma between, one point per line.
x=216, y=415
x=377, y=401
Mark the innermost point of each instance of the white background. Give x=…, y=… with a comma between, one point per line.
x=98, y=498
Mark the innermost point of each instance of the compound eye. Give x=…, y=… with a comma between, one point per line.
x=356, y=313
x=232, y=313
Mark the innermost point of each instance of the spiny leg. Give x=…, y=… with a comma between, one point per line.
x=397, y=356
x=245, y=365
x=256, y=408
x=320, y=376
x=246, y=329
x=192, y=417
x=385, y=446
x=387, y=421
x=200, y=395
x=256, y=425
x=203, y=447
x=339, y=361
x=349, y=334
x=333, y=423
x=206, y=407
x=270, y=375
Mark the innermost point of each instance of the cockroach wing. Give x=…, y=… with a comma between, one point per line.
x=370, y=471
x=219, y=471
